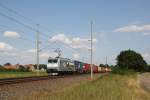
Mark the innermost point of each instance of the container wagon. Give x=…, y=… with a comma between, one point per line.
x=95, y=69
x=78, y=66
x=86, y=68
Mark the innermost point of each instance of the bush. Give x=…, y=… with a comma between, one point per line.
x=23, y=69
x=7, y=64
x=130, y=59
x=41, y=66
x=13, y=70
x=148, y=68
x=103, y=65
x=118, y=70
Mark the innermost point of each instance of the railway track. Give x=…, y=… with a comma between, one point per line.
x=7, y=81
x=27, y=79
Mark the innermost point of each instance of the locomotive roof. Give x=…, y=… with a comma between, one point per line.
x=59, y=58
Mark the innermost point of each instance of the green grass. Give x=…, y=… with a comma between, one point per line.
x=110, y=87
x=19, y=74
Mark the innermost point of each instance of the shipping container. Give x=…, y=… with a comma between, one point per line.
x=86, y=68
x=95, y=69
x=99, y=69
x=78, y=66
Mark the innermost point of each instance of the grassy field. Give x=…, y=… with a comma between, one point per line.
x=110, y=87
x=19, y=74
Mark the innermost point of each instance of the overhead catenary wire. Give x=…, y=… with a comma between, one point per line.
x=20, y=33
x=24, y=17
x=15, y=20
x=19, y=22
x=15, y=12
x=91, y=49
x=26, y=26
x=22, y=38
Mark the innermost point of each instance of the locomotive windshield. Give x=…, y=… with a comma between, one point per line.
x=52, y=61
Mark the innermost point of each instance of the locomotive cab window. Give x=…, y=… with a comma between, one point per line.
x=52, y=60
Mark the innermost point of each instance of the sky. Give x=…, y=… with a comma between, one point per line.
x=117, y=25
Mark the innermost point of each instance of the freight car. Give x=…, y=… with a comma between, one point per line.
x=86, y=68
x=95, y=68
x=78, y=66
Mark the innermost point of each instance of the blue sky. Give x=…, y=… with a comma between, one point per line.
x=118, y=25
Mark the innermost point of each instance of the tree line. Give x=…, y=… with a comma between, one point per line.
x=129, y=60
x=21, y=68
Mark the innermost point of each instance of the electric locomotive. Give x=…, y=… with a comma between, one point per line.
x=60, y=65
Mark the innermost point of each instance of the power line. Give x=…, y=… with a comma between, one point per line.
x=29, y=27
x=91, y=49
x=26, y=39
x=20, y=15
x=26, y=26
x=15, y=12
x=37, y=49
x=13, y=19
x=4, y=26
x=20, y=32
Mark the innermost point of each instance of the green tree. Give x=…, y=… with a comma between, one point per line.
x=149, y=68
x=22, y=68
x=101, y=65
x=41, y=66
x=7, y=64
x=130, y=59
x=104, y=65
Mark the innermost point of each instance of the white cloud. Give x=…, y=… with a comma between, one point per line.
x=146, y=56
x=44, y=55
x=76, y=42
x=146, y=33
x=31, y=50
x=22, y=57
x=133, y=28
x=76, y=56
x=11, y=34
x=10, y=54
x=5, y=46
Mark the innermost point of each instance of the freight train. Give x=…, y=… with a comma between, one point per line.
x=60, y=65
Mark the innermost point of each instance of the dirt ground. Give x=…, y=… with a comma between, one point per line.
x=144, y=80
x=26, y=91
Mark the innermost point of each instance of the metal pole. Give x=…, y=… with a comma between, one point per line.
x=82, y=59
x=37, y=49
x=106, y=61
x=91, y=50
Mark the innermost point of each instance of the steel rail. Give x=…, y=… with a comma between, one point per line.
x=27, y=79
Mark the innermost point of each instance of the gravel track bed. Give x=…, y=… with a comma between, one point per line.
x=30, y=90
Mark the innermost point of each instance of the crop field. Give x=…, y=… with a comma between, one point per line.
x=109, y=87
x=19, y=74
